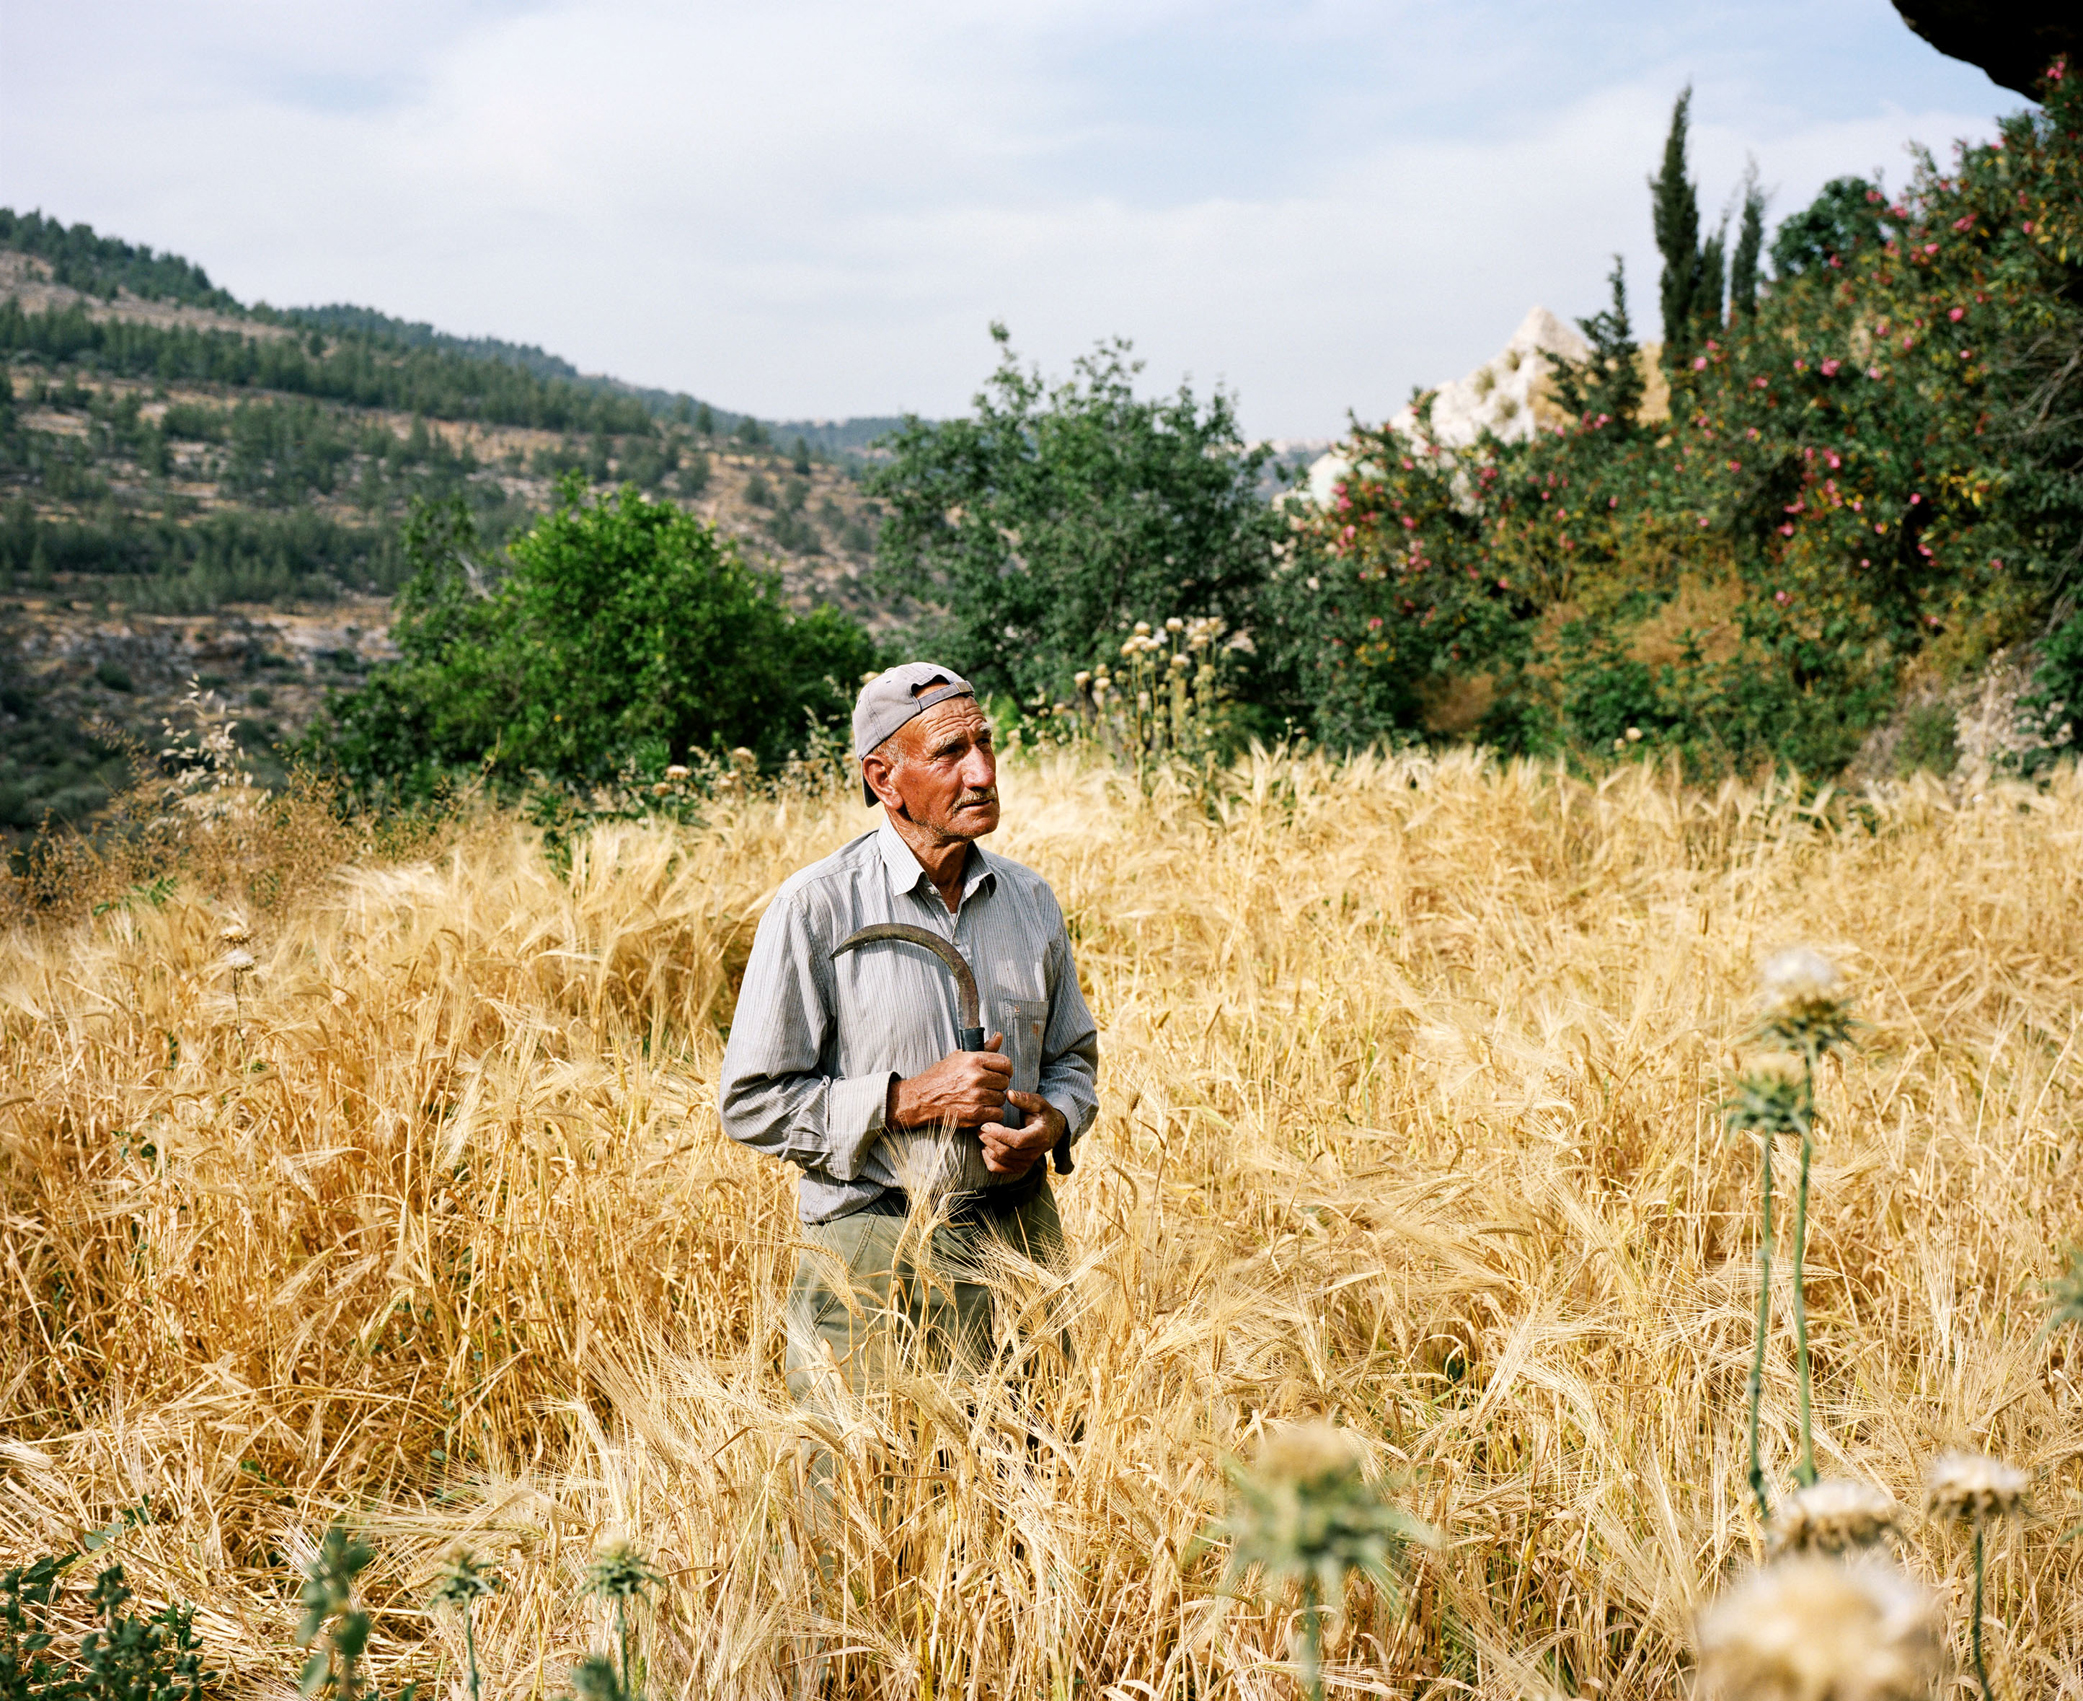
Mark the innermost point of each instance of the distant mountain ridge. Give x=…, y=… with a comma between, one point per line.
x=103, y=266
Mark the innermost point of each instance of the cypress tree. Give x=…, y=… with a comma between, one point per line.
x=1710, y=281
x=1750, y=246
x=1675, y=205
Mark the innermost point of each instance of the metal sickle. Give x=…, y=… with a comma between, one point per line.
x=971, y=1035
x=970, y=1006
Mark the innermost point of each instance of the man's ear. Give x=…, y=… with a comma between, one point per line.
x=877, y=770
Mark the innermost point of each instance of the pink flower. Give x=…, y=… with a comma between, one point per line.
x=1873, y=372
x=1967, y=223
x=1703, y=522
x=1781, y=598
x=1409, y=524
x=1994, y=562
x=1800, y=366
x=1786, y=531
x=2028, y=227
x=1699, y=363
x=1915, y=496
x=1829, y=368
x=1833, y=460
x=1612, y=501
x=1956, y=314
x=1930, y=248
x=1863, y=562
x=1504, y=584
x=1908, y=341
x=1374, y=625
x=1757, y=383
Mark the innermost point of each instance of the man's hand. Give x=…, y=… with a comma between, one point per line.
x=965, y=1088
x=1014, y=1151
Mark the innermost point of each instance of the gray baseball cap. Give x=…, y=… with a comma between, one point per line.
x=902, y=694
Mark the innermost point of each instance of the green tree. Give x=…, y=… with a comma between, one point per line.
x=1675, y=206
x=1034, y=530
x=626, y=632
x=1610, y=381
x=1842, y=220
x=1750, y=243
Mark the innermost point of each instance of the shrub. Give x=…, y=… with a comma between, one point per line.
x=626, y=632
x=1884, y=461
x=1055, y=515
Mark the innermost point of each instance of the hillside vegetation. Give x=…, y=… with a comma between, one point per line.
x=192, y=489
x=1412, y=1079
x=1868, y=492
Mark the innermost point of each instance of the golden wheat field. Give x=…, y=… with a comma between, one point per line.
x=1411, y=1080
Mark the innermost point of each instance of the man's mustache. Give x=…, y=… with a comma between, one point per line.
x=977, y=794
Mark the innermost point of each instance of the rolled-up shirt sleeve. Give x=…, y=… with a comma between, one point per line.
x=775, y=1095
x=1070, y=1043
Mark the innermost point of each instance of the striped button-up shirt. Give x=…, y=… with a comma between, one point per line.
x=816, y=1041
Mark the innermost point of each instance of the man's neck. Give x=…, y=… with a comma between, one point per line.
x=944, y=860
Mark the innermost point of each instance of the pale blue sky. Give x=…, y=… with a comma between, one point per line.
x=805, y=208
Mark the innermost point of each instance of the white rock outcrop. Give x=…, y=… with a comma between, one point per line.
x=1507, y=395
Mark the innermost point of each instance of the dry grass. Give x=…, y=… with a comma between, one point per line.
x=1410, y=1085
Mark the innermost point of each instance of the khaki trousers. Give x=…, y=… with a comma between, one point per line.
x=873, y=1292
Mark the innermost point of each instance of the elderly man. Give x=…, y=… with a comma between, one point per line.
x=848, y=1067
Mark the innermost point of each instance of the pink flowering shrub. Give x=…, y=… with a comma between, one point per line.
x=1839, y=476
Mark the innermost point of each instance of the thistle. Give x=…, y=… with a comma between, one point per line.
x=1972, y=1489
x=620, y=1573
x=1801, y=1002
x=1834, y=1517
x=1801, y=1005
x=329, y=1611
x=1306, y=1512
x=2065, y=1295
x=462, y=1584
x=1821, y=1630
x=1765, y=1105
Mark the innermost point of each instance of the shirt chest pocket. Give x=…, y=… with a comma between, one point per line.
x=1023, y=1021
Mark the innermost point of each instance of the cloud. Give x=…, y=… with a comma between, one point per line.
x=809, y=208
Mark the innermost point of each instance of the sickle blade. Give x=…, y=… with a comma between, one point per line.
x=903, y=932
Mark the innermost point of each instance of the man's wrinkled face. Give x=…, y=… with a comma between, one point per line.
x=941, y=770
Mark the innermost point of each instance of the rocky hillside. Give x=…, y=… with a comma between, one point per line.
x=195, y=491
x=1511, y=395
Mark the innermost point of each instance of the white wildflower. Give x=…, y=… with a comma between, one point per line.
x=1834, y=1516
x=1971, y=1488
x=1821, y=1630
